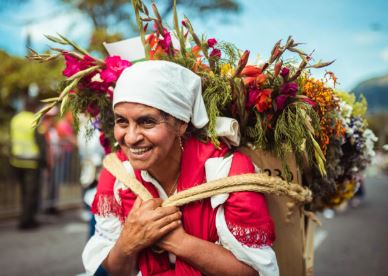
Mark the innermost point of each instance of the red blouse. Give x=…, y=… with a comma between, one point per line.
x=246, y=213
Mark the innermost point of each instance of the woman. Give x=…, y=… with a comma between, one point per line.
x=155, y=104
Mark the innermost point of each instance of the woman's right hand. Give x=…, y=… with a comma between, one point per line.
x=146, y=224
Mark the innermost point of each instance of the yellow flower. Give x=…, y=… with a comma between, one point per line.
x=227, y=70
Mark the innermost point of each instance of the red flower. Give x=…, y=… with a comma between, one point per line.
x=211, y=42
x=215, y=53
x=74, y=65
x=114, y=67
x=261, y=99
x=264, y=101
x=251, y=71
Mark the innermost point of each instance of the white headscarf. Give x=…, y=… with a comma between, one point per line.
x=166, y=86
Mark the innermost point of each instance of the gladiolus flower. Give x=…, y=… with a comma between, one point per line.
x=74, y=65
x=281, y=101
x=251, y=71
x=114, y=67
x=289, y=88
x=264, y=100
x=285, y=71
x=211, y=42
x=215, y=53
x=166, y=41
x=277, y=68
x=261, y=99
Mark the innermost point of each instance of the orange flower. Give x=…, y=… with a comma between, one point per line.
x=251, y=71
x=264, y=100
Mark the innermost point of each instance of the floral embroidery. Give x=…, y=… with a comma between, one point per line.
x=104, y=205
x=255, y=237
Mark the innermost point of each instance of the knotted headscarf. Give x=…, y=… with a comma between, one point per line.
x=166, y=86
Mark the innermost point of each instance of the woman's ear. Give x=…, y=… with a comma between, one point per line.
x=182, y=128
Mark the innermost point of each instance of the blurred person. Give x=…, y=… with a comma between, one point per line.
x=68, y=144
x=51, y=174
x=91, y=154
x=28, y=156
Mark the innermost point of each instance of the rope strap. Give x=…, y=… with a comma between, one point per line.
x=257, y=182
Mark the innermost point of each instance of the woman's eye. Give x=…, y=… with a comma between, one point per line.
x=147, y=123
x=120, y=121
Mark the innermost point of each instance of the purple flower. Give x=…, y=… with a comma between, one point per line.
x=284, y=72
x=281, y=101
x=289, y=88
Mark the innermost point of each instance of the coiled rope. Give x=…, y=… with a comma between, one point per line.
x=257, y=182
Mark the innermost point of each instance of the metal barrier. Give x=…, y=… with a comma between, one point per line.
x=60, y=186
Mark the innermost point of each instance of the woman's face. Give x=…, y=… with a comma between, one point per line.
x=148, y=138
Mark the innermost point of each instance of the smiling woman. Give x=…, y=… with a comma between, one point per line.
x=155, y=103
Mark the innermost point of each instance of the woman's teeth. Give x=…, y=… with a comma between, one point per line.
x=139, y=150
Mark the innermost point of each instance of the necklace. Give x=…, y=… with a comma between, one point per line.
x=172, y=189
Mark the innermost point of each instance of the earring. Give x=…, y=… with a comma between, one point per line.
x=180, y=142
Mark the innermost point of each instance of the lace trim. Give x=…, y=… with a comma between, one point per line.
x=104, y=205
x=255, y=237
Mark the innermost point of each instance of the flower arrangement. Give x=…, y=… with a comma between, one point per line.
x=265, y=99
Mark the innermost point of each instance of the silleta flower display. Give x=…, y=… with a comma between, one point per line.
x=266, y=99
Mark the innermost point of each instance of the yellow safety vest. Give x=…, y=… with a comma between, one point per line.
x=24, y=149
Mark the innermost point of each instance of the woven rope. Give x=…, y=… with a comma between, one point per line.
x=258, y=182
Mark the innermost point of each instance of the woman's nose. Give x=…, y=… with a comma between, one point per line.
x=133, y=136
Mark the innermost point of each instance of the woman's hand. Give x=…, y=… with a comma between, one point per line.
x=173, y=239
x=146, y=224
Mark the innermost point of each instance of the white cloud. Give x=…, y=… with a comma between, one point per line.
x=367, y=38
x=384, y=54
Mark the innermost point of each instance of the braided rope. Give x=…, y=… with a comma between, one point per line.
x=257, y=182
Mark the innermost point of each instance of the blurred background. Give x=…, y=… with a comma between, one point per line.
x=354, y=33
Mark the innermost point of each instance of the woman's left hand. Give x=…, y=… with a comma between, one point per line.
x=172, y=239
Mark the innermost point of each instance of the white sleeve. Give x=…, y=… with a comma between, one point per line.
x=261, y=259
x=107, y=232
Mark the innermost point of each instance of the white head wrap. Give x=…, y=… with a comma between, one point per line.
x=166, y=86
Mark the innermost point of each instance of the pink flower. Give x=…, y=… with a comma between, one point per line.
x=74, y=65
x=215, y=53
x=166, y=41
x=253, y=95
x=309, y=101
x=114, y=67
x=289, y=88
x=285, y=71
x=211, y=42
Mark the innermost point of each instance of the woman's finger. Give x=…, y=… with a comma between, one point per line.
x=163, y=221
x=161, y=212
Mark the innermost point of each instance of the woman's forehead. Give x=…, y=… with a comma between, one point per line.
x=129, y=109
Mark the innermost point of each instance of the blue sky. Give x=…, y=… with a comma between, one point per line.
x=353, y=32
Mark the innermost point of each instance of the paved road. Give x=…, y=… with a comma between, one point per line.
x=353, y=243
x=357, y=239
